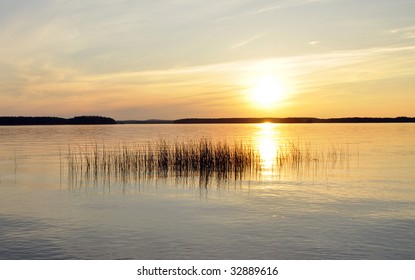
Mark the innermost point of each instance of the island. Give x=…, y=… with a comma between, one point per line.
x=56, y=120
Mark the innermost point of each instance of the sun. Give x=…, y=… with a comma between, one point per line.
x=267, y=91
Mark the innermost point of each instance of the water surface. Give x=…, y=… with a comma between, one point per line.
x=360, y=208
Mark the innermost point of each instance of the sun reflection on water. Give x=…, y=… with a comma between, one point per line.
x=267, y=141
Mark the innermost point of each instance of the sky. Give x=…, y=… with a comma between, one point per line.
x=170, y=59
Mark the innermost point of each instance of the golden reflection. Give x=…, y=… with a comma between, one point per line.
x=267, y=142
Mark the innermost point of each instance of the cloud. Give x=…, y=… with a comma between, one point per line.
x=250, y=10
x=248, y=41
x=407, y=32
x=80, y=55
x=266, y=9
x=64, y=82
x=314, y=43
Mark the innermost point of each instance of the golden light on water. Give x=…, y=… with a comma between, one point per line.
x=267, y=142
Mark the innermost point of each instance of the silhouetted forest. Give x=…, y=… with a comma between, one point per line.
x=105, y=120
x=55, y=120
x=151, y=121
x=298, y=120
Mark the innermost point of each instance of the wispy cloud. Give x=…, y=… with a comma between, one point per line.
x=314, y=43
x=78, y=92
x=251, y=10
x=80, y=55
x=407, y=32
x=248, y=41
x=266, y=9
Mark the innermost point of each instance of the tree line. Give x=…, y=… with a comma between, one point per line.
x=55, y=120
x=296, y=120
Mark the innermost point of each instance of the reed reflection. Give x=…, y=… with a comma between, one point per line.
x=203, y=159
x=266, y=158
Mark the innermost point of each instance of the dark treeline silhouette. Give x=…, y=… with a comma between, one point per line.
x=105, y=120
x=55, y=120
x=151, y=121
x=91, y=120
x=297, y=120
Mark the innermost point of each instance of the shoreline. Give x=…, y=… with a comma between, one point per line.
x=97, y=120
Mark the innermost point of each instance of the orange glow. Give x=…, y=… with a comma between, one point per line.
x=267, y=142
x=267, y=91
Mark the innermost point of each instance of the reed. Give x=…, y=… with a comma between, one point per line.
x=201, y=158
x=301, y=157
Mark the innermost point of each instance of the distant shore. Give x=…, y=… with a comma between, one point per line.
x=273, y=120
x=55, y=120
x=299, y=120
x=98, y=120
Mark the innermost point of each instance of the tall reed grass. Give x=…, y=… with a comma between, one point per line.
x=201, y=158
x=301, y=158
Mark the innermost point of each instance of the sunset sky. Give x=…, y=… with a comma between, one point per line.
x=136, y=59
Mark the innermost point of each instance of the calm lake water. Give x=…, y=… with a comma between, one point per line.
x=359, y=205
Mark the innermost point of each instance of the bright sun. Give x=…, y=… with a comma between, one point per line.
x=267, y=91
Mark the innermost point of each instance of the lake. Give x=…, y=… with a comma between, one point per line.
x=350, y=196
